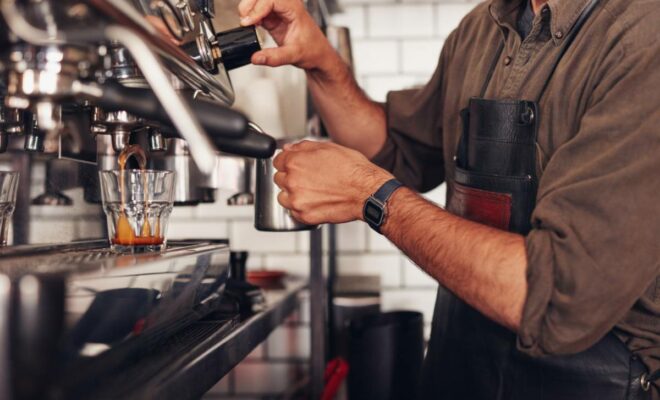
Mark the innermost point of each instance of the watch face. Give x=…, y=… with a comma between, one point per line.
x=373, y=213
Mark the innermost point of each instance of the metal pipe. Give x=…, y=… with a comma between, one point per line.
x=330, y=289
x=20, y=27
x=122, y=13
x=317, y=301
x=201, y=147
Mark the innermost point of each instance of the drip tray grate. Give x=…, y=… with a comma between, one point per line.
x=21, y=260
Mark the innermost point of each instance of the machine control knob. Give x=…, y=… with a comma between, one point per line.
x=237, y=46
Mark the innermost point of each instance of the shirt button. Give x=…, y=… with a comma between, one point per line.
x=507, y=60
x=559, y=34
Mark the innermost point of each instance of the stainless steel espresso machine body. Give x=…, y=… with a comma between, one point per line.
x=79, y=81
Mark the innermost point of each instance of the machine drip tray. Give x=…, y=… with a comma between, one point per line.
x=22, y=259
x=115, y=376
x=85, y=311
x=188, y=363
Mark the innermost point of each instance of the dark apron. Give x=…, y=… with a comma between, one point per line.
x=471, y=357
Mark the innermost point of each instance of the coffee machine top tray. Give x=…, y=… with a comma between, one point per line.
x=63, y=305
x=95, y=255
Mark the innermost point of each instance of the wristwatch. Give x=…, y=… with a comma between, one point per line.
x=374, y=211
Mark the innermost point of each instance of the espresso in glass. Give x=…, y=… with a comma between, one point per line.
x=137, y=204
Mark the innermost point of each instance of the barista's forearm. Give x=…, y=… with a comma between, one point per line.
x=351, y=118
x=485, y=267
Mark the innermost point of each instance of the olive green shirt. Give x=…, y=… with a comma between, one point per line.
x=594, y=249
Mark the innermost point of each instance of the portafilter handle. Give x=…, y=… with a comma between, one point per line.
x=237, y=46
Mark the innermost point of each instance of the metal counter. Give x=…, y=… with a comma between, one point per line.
x=189, y=363
x=73, y=328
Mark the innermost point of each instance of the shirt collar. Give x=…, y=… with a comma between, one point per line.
x=563, y=14
x=505, y=12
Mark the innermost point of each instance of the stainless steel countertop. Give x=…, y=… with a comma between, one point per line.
x=191, y=362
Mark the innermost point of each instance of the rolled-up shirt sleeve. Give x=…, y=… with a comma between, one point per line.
x=413, y=148
x=594, y=249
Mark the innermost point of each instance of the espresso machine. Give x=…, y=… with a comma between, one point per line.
x=73, y=86
x=79, y=81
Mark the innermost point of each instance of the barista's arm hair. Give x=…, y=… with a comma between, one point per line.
x=483, y=266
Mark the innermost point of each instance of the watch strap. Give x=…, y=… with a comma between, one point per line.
x=380, y=198
x=385, y=192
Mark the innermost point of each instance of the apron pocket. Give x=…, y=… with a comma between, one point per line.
x=503, y=202
x=488, y=208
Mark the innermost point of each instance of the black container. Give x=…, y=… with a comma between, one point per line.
x=346, y=309
x=385, y=356
x=237, y=265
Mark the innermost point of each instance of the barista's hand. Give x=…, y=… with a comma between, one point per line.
x=325, y=182
x=300, y=40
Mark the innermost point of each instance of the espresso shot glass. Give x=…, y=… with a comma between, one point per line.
x=137, y=205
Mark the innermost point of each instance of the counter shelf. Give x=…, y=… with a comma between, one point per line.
x=74, y=328
x=189, y=363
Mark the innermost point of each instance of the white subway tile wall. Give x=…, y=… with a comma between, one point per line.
x=385, y=265
x=400, y=21
x=397, y=43
x=288, y=342
x=379, y=85
x=419, y=56
x=449, y=15
x=379, y=56
x=414, y=277
x=355, y=18
x=351, y=237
